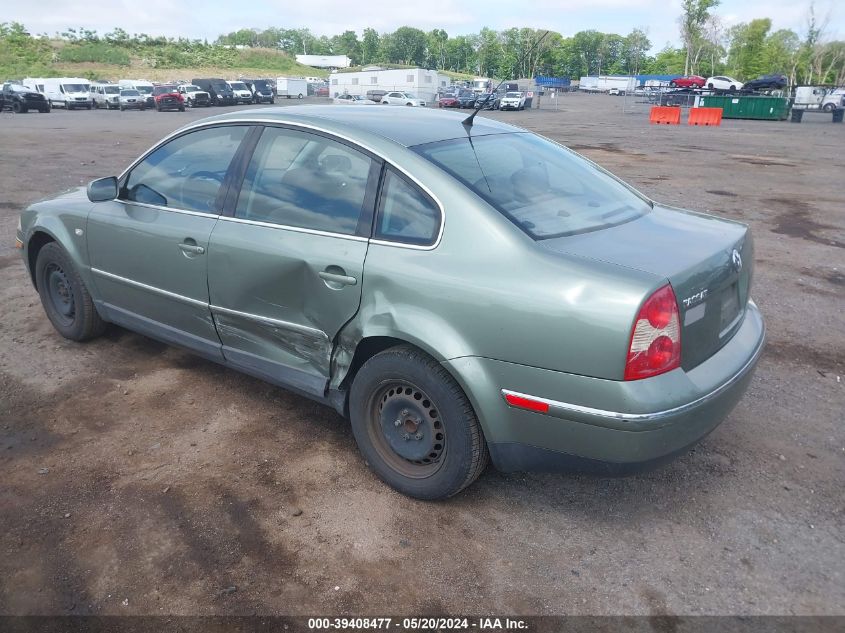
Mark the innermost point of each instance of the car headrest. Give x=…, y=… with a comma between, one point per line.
x=336, y=163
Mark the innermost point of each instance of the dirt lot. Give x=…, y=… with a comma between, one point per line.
x=136, y=478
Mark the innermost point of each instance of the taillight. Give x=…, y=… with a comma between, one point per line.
x=656, y=337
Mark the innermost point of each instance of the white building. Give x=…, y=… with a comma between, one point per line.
x=325, y=61
x=424, y=84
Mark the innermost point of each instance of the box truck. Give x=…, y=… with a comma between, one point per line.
x=291, y=88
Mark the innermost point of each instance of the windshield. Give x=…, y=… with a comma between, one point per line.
x=260, y=85
x=190, y=89
x=147, y=90
x=543, y=188
x=163, y=90
x=75, y=87
x=237, y=85
x=219, y=85
x=513, y=95
x=19, y=88
x=111, y=90
x=130, y=93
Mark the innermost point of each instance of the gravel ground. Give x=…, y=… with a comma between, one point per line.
x=136, y=478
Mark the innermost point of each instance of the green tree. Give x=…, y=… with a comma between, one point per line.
x=370, y=47
x=407, y=46
x=746, y=54
x=634, y=50
x=694, y=16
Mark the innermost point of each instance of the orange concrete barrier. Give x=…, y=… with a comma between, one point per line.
x=705, y=116
x=668, y=115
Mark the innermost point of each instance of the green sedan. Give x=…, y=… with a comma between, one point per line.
x=462, y=293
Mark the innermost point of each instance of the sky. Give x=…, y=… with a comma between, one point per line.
x=209, y=18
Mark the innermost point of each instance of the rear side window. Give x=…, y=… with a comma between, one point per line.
x=546, y=190
x=304, y=180
x=406, y=214
x=187, y=172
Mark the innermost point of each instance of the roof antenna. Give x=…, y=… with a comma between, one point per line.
x=467, y=122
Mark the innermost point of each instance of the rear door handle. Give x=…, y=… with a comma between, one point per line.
x=344, y=280
x=193, y=249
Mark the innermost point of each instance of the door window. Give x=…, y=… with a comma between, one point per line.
x=304, y=180
x=187, y=172
x=406, y=214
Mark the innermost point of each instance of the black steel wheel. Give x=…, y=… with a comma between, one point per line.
x=415, y=426
x=64, y=296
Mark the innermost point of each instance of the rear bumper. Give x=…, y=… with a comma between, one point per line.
x=607, y=426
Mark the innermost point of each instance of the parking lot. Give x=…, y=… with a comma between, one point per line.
x=140, y=479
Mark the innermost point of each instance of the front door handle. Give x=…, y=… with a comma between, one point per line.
x=336, y=279
x=191, y=249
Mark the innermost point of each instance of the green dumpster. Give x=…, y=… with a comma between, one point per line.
x=749, y=107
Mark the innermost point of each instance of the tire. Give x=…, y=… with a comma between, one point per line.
x=439, y=432
x=829, y=107
x=710, y=86
x=44, y=109
x=672, y=84
x=300, y=96
x=65, y=298
x=121, y=108
x=181, y=108
x=16, y=107
x=732, y=88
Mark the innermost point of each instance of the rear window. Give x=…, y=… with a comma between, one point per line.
x=543, y=188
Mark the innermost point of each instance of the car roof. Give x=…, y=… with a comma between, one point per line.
x=405, y=126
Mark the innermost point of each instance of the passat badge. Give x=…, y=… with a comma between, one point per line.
x=736, y=260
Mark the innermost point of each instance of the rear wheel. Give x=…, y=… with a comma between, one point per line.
x=16, y=107
x=415, y=426
x=65, y=298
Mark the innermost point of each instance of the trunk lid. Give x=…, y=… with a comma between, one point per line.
x=707, y=260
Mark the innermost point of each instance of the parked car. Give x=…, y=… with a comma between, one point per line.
x=512, y=101
x=194, y=97
x=617, y=92
x=241, y=92
x=21, y=99
x=219, y=91
x=466, y=99
x=402, y=98
x=766, y=82
x=323, y=91
x=352, y=100
x=262, y=91
x=693, y=81
x=487, y=101
x=105, y=95
x=448, y=100
x=459, y=294
x=168, y=97
x=142, y=86
x=132, y=99
x=724, y=83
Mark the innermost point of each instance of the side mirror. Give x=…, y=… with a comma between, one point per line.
x=103, y=189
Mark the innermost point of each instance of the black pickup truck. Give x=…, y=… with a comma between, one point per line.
x=21, y=99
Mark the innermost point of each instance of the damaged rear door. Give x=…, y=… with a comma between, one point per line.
x=286, y=259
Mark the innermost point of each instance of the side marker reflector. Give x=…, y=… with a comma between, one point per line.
x=526, y=403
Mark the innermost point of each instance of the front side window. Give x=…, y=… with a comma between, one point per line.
x=304, y=180
x=187, y=172
x=406, y=214
x=543, y=188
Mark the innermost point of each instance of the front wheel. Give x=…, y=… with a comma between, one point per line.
x=16, y=107
x=65, y=298
x=829, y=107
x=415, y=426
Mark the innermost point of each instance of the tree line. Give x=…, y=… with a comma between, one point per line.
x=708, y=48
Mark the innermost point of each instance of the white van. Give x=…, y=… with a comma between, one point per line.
x=68, y=92
x=105, y=95
x=141, y=85
x=834, y=99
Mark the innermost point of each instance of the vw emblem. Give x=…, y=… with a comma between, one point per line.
x=736, y=260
